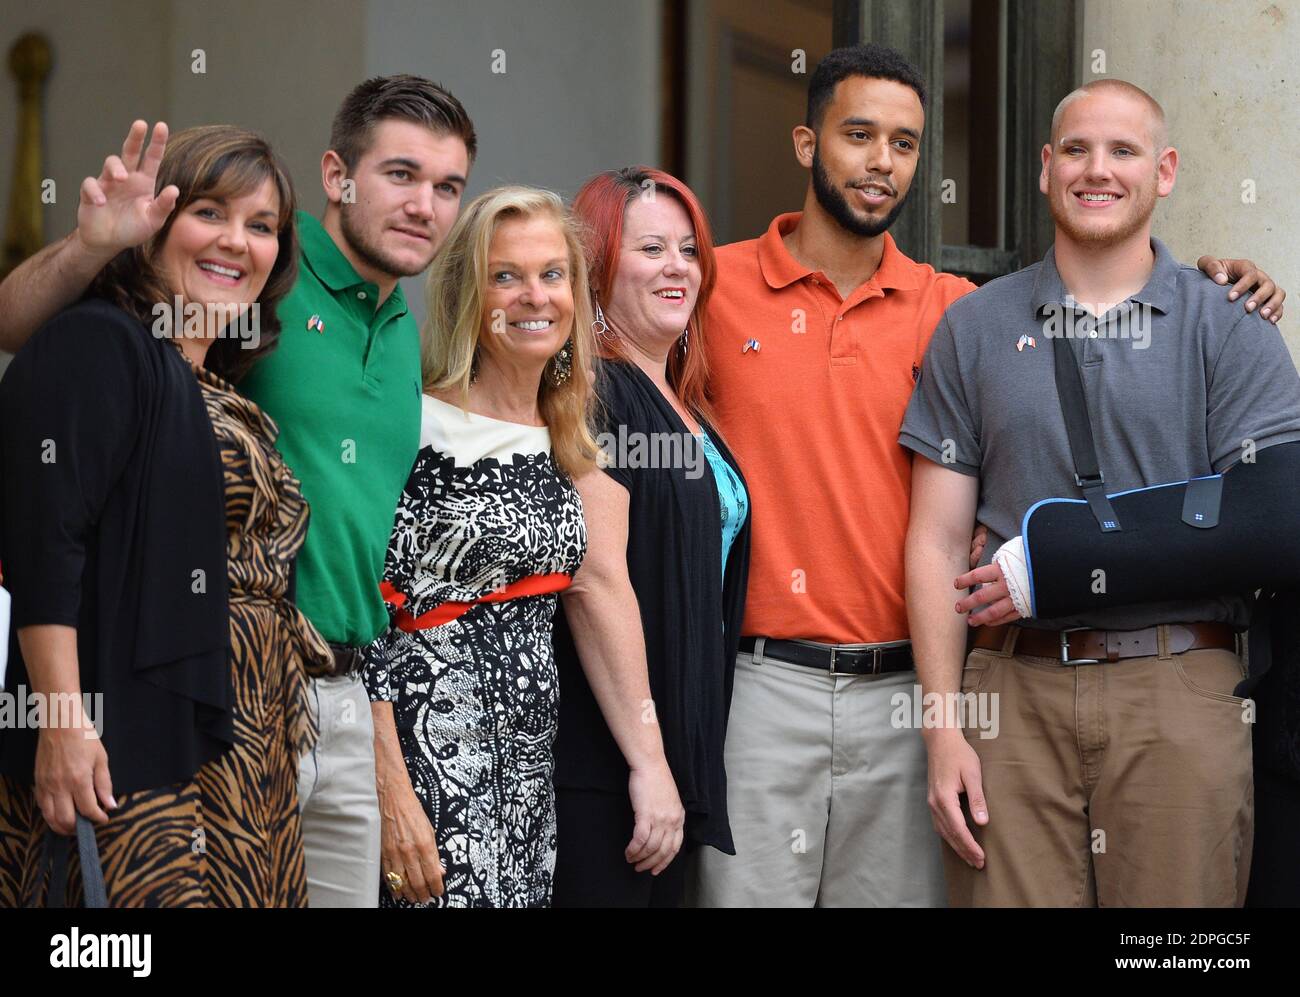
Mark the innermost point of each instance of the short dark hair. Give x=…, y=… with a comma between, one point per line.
x=405, y=97
x=870, y=60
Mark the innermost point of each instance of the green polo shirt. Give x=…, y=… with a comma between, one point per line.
x=343, y=384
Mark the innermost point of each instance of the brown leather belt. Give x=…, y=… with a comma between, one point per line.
x=1071, y=647
x=347, y=660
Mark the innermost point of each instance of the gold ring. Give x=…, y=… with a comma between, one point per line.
x=395, y=881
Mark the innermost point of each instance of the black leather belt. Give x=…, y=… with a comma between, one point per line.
x=347, y=661
x=874, y=660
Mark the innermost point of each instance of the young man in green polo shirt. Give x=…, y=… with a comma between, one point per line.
x=343, y=384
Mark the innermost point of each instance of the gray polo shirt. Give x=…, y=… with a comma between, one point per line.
x=1178, y=379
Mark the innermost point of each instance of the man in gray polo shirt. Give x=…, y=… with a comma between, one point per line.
x=1122, y=782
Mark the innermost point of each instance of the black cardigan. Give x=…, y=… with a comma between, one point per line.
x=690, y=617
x=112, y=521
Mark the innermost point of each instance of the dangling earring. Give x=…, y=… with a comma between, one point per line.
x=473, y=368
x=600, y=326
x=562, y=364
x=686, y=335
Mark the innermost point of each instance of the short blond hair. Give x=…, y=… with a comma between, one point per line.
x=449, y=339
x=1159, y=128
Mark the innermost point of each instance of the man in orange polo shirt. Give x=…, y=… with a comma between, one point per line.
x=815, y=334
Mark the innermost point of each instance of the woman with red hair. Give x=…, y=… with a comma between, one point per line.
x=647, y=637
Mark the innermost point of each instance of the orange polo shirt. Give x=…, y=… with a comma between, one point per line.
x=813, y=415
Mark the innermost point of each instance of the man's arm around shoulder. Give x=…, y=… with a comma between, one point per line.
x=40, y=287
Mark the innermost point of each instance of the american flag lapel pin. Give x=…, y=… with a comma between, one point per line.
x=1024, y=341
x=315, y=323
x=751, y=344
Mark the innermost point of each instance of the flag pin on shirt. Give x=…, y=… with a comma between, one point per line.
x=750, y=344
x=1024, y=341
x=315, y=323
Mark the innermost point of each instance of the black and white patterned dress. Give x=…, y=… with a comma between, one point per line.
x=487, y=530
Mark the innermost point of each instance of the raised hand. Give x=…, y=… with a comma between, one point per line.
x=118, y=209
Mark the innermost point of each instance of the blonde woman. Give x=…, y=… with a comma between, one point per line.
x=488, y=529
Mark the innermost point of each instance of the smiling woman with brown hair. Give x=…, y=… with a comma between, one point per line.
x=148, y=529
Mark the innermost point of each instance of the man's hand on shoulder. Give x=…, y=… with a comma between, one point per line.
x=1244, y=275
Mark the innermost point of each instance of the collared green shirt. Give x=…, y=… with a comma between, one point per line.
x=343, y=384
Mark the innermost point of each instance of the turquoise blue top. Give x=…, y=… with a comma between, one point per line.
x=731, y=496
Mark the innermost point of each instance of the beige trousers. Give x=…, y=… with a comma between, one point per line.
x=827, y=796
x=1120, y=784
x=340, y=809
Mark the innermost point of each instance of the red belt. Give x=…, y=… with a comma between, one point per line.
x=447, y=611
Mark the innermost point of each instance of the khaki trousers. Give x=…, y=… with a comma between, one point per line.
x=826, y=795
x=1119, y=784
x=336, y=790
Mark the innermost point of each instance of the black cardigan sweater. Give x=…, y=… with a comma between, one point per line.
x=112, y=521
x=690, y=616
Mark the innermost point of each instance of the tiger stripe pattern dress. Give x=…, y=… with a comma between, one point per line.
x=249, y=796
x=231, y=836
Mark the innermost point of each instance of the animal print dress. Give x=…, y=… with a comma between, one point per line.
x=249, y=796
x=488, y=530
x=230, y=837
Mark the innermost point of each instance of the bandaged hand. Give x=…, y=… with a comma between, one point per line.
x=1001, y=588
